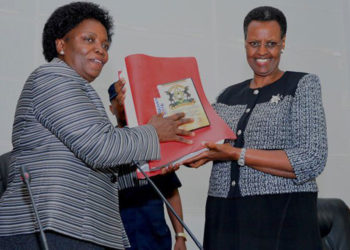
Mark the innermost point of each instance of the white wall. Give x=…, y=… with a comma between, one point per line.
x=317, y=41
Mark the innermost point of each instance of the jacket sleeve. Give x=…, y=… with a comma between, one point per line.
x=308, y=155
x=62, y=105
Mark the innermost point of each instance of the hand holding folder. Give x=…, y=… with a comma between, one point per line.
x=166, y=126
x=146, y=78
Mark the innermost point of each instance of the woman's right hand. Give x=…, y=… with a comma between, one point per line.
x=215, y=152
x=168, y=128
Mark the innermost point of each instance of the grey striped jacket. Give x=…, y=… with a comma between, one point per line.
x=63, y=136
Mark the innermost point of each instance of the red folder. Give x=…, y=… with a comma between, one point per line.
x=144, y=74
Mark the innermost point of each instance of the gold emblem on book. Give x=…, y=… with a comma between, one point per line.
x=179, y=96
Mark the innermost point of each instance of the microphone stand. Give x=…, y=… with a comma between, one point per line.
x=169, y=206
x=26, y=179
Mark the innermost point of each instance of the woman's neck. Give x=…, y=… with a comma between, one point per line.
x=262, y=81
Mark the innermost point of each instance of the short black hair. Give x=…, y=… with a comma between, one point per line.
x=266, y=13
x=68, y=16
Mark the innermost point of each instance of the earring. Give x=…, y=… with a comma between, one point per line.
x=61, y=52
x=282, y=50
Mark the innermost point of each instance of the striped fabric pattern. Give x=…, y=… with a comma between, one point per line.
x=127, y=178
x=63, y=136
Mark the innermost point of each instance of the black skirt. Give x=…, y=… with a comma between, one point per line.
x=278, y=222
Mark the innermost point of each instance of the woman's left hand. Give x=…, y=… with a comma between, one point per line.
x=180, y=244
x=219, y=152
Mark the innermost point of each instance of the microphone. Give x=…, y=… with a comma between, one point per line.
x=25, y=176
x=169, y=206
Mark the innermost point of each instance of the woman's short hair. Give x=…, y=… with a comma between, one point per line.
x=66, y=17
x=266, y=13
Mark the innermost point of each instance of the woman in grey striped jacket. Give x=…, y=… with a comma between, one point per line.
x=62, y=135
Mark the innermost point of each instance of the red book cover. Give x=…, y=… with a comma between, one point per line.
x=144, y=75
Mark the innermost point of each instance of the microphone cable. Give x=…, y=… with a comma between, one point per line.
x=25, y=176
x=169, y=206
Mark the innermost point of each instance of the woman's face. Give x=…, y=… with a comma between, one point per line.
x=263, y=47
x=85, y=48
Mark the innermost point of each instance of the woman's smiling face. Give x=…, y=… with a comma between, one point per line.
x=85, y=48
x=263, y=47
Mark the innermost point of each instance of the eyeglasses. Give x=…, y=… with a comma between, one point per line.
x=269, y=45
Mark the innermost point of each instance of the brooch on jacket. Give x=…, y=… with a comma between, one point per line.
x=276, y=98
